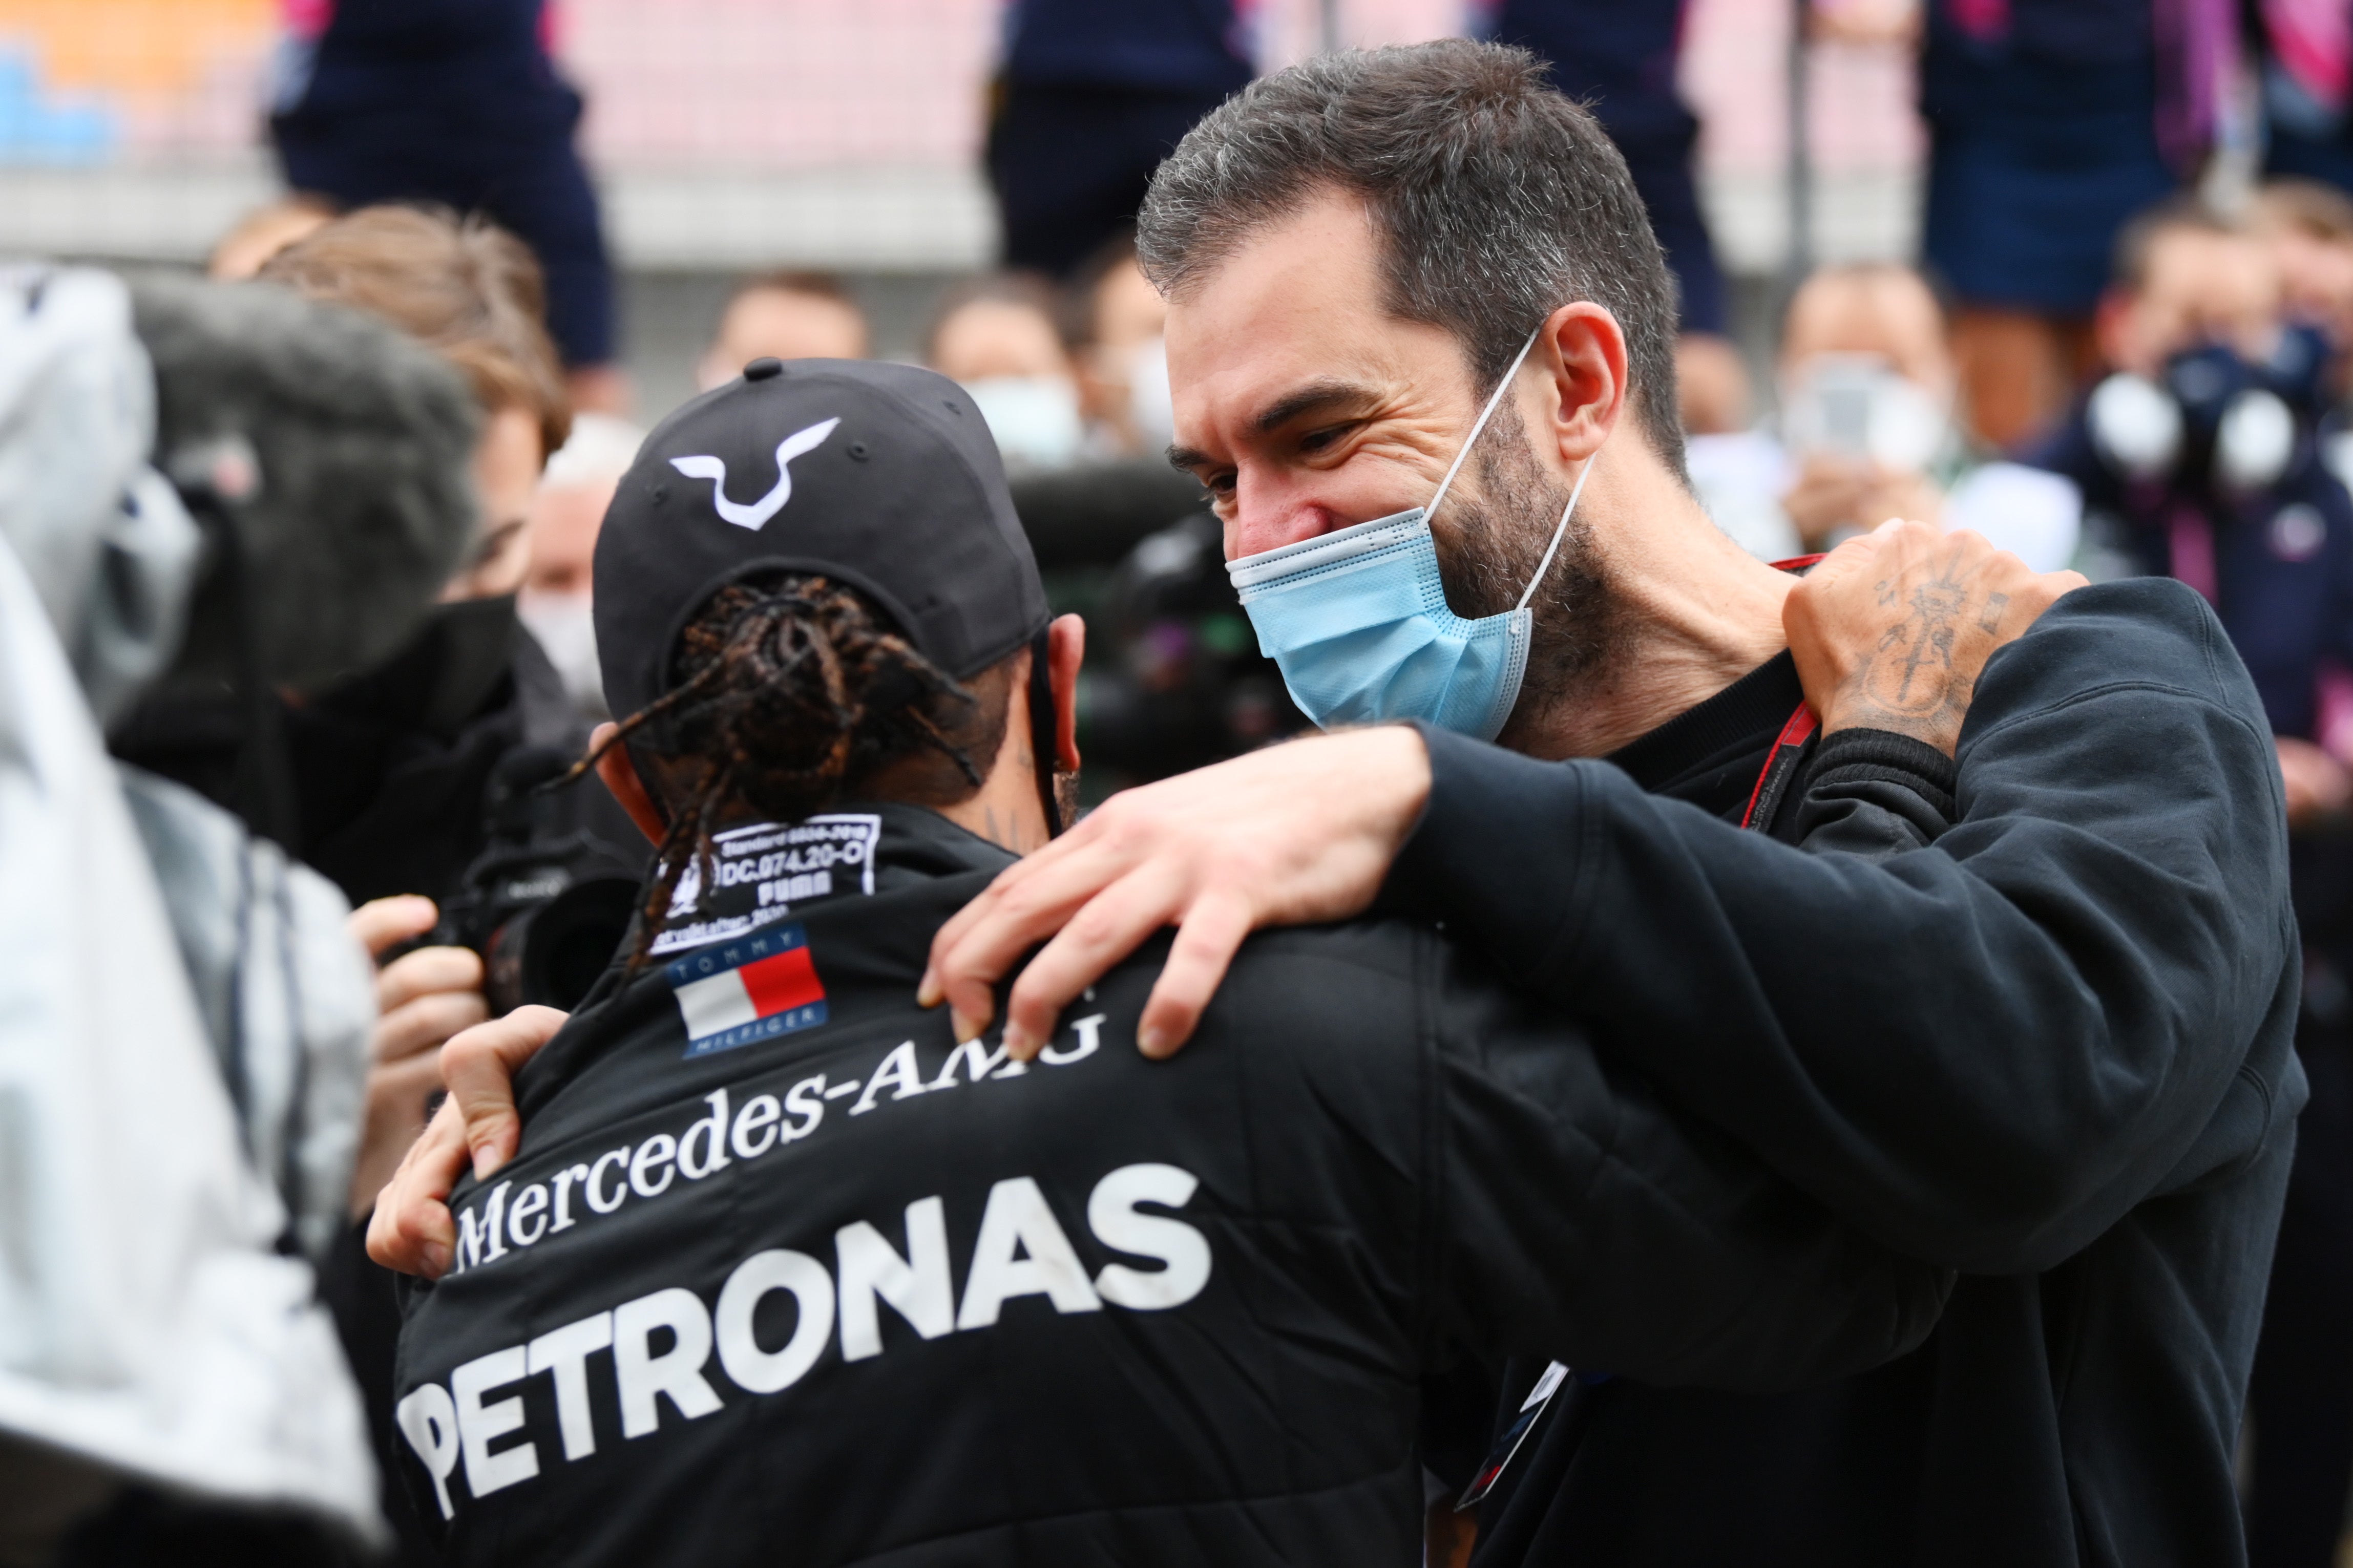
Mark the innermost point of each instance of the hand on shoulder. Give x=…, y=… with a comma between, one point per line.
x=1892, y=629
x=1293, y=835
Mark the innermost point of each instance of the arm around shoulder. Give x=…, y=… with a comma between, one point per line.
x=1983, y=1052
x=1587, y=1222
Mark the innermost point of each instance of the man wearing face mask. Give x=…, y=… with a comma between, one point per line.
x=561, y=542
x=2034, y=1022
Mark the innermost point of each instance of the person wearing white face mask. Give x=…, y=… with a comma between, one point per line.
x=1123, y=364
x=1867, y=431
x=554, y=604
x=998, y=336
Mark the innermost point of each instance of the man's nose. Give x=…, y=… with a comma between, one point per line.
x=1262, y=525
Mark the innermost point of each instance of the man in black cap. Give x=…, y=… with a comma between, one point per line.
x=779, y=1269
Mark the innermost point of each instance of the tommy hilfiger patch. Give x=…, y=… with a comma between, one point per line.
x=754, y=988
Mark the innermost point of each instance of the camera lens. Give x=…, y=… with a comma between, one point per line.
x=552, y=954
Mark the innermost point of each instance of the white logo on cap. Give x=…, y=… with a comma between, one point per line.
x=769, y=505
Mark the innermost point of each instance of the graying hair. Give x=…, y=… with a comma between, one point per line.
x=1498, y=200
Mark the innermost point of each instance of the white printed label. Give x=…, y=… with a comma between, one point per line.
x=761, y=873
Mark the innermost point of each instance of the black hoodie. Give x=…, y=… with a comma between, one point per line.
x=2052, y=1051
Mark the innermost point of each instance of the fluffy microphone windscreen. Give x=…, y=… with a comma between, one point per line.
x=364, y=501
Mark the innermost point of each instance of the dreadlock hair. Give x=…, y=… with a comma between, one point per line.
x=789, y=694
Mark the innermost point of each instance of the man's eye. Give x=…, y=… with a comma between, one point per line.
x=1219, y=484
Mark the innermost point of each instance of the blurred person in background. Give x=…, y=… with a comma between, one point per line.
x=2310, y=228
x=1121, y=361
x=2304, y=60
x=2049, y=124
x=1001, y=338
x=457, y=103
x=1089, y=98
x=396, y=772
x=415, y=744
x=1868, y=431
x=253, y=494
x=262, y=234
x=553, y=603
x=783, y=315
x=1618, y=57
x=2198, y=459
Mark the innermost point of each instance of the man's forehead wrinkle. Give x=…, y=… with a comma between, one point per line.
x=1308, y=399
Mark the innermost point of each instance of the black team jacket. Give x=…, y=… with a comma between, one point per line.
x=2051, y=1052
x=780, y=1276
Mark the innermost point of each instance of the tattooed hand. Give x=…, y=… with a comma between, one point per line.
x=1891, y=630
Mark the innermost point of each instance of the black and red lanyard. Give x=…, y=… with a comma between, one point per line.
x=1790, y=747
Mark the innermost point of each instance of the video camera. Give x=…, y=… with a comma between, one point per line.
x=546, y=906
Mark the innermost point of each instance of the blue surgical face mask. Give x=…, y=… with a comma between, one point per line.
x=1357, y=619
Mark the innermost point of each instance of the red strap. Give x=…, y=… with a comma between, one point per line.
x=1802, y=723
x=1793, y=737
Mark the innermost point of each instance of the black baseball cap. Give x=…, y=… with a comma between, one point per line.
x=882, y=476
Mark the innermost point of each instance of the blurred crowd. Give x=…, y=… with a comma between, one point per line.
x=2108, y=360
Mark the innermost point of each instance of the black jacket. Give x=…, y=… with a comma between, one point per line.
x=779, y=1277
x=2051, y=1052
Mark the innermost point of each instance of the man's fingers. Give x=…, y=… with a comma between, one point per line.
x=1206, y=943
x=986, y=904
x=948, y=955
x=411, y=1229
x=1106, y=929
x=479, y=1066
x=422, y=1025
x=1024, y=912
x=381, y=922
x=426, y=971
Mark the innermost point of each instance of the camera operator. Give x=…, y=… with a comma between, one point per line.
x=412, y=783
x=186, y=1013
x=2200, y=460
x=395, y=774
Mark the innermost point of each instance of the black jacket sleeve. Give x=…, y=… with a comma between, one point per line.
x=1984, y=1052
x=1871, y=793
x=1583, y=1221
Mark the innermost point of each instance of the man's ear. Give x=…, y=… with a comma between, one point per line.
x=1066, y=649
x=619, y=773
x=1584, y=350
